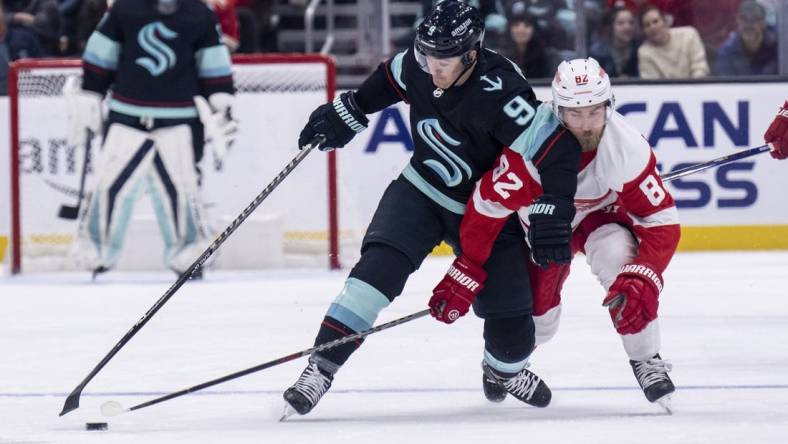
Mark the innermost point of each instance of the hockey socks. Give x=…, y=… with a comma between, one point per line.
x=333, y=358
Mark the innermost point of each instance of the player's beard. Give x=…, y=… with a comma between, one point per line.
x=589, y=140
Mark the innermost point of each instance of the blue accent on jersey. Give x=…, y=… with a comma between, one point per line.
x=542, y=126
x=504, y=367
x=149, y=41
x=102, y=51
x=213, y=61
x=396, y=69
x=358, y=305
x=430, y=191
x=185, y=112
x=427, y=129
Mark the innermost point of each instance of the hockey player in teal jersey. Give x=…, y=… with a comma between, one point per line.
x=466, y=104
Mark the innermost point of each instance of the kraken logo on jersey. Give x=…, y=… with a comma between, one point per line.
x=162, y=56
x=431, y=132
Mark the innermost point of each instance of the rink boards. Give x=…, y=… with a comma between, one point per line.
x=736, y=206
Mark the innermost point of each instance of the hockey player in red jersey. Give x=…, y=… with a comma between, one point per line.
x=777, y=134
x=626, y=222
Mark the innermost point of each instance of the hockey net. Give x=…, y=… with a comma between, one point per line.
x=297, y=225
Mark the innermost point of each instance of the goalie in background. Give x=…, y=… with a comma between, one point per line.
x=157, y=57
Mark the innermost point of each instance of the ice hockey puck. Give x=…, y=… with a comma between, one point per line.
x=96, y=426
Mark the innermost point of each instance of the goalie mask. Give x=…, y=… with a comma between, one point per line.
x=579, y=83
x=452, y=29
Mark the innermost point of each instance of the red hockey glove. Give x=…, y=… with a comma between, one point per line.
x=454, y=294
x=777, y=134
x=633, y=298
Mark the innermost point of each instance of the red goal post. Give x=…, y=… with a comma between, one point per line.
x=288, y=80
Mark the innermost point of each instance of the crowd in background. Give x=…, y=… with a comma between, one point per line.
x=61, y=28
x=651, y=39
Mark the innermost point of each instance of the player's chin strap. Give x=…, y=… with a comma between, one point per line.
x=468, y=63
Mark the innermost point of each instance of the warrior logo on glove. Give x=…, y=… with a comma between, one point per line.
x=633, y=298
x=453, y=296
x=339, y=121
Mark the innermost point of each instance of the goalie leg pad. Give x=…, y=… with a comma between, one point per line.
x=174, y=186
x=121, y=167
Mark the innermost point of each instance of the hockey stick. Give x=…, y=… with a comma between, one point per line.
x=717, y=162
x=72, y=401
x=69, y=212
x=114, y=408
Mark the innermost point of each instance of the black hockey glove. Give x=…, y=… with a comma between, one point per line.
x=550, y=232
x=338, y=121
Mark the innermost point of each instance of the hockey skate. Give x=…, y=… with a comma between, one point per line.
x=525, y=386
x=302, y=397
x=494, y=391
x=652, y=375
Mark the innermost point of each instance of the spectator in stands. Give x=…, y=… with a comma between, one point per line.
x=715, y=20
x=68, y=10
x=554, y=22
x=618, y=53
x=257, y=25
x=523, y=45
x=669, y=53
x=228, y=21
x=40, y=17
x=88, y=18
x=15, y=43
x=752, y=49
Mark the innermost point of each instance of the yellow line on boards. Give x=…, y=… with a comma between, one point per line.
x=712, y=238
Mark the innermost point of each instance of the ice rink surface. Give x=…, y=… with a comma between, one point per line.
x=724, y=322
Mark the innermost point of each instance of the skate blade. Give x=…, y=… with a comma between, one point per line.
x=287, y=412
x=666, y=402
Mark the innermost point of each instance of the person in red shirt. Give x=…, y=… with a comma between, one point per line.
x=777, y=134
x=228, y=21
x=625, y=222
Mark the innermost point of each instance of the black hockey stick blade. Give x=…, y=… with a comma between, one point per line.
x=68, y=212
x=113, y=408
x=72, y=401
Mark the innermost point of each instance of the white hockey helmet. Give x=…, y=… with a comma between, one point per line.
x=581, y=82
